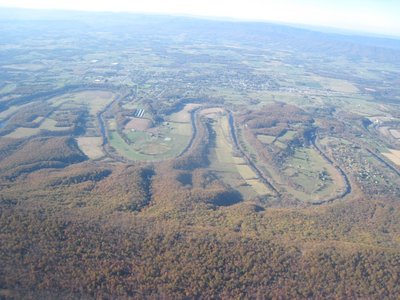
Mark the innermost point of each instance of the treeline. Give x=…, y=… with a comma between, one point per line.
x=276, y=114
x=47, y=94
x=26, y=116
x=196, y=155
x=71, y=118
x=276, y=120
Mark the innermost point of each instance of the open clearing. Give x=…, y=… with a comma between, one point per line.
x=233, y=169
x=147, y=147
x=139, y=124
x=8, y=88
x=288, y=136
x=395, y=133
x=12, y=109
x=337, y=85
x=304, y=175
x=266, y=139
x=184, y=114
x=310, y=177
x=47, y=124
x=50, y=124
x=211, y=110
x=95, y=100
x=384, y=130
x=38, y=120
x=91, y=146
x=23, y=132
x=393, y=155
x=25, y=67
x=184, y=129
x=143, y=142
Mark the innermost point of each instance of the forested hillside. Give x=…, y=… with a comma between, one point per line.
x=165, y=157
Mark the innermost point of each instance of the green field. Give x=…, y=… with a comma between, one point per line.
x=266, y=139
x=305, y=175
x=145, y=146
x=165, y=141
x=310, y=177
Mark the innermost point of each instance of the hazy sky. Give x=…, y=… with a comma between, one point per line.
x=378, y=16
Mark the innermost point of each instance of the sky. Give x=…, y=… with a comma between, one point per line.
x=374, y=16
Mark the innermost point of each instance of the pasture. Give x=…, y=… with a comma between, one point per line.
x=310, y=177
x=147, y=143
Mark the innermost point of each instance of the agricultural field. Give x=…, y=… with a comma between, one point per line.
x=174, y=157
x=144, y=141
x=139, y=124
x=5, y=114
x=393, y=155
x=184, y=115
x=336, y=85
x=23, y=132
x=7, y=88
x=310, y=177
x=232, y=168
x=61, y=113
x=94, y=101
x=266, y=139
x=91, y=146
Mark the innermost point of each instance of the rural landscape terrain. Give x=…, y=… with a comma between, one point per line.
x=169, y=157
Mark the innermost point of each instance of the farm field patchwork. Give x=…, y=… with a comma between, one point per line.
x=152, y=143
x=233, y=169
x=172, y=157
x=310, y=177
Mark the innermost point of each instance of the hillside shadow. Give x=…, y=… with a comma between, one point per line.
x=227, y=198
